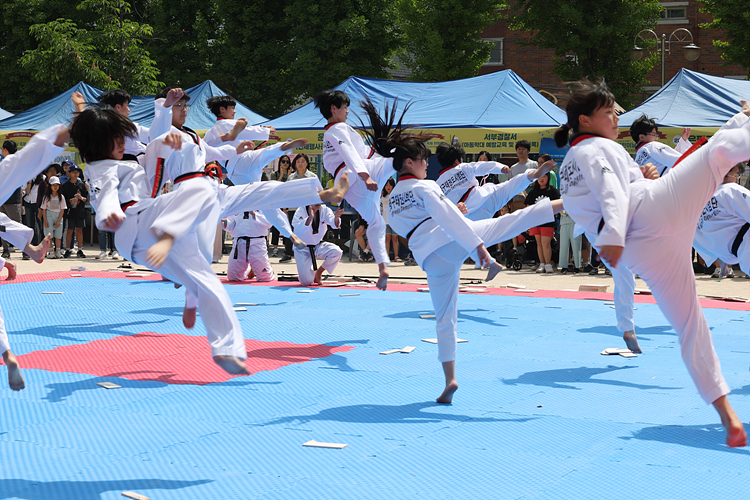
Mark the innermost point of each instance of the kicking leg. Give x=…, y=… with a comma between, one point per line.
x=15, y=378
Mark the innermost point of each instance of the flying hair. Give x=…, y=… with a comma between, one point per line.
x=585, y=99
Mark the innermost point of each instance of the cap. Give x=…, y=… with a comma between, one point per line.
x=54, y=180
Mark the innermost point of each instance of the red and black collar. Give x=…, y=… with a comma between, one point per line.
x=445, y=170
x=581, y=137
x=404, y=177
x=332, y=124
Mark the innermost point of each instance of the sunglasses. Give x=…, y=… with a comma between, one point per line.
x=284, y=161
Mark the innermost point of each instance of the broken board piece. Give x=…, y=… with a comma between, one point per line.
x=349, y=295
x=643, y=291
x=628, y=355
x=76, y=275
x=522, y=290
x=363, y=285
x=240, y=308
x=461, y=341
x=53, y=293
x=108, y=385
x=392, y=351
x=609, y=303
x=407, y=349
x=513, y=285
x=423, y=289
x=305, y=291
x=316, y=444
x=135, y=275
x=427, y=316
x=472, y=290
x=246, y=304
x=614, y=350
x=134, y=496
x=335, y=283
x=593, y=288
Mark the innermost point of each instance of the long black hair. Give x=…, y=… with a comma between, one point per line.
x=587, y=97
x=393, y=141
x=95, y=130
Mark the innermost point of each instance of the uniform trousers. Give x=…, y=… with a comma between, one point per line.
x=249, y=253
x=329, y=253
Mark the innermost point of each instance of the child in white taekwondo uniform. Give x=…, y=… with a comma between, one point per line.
x=16, y=170
x=249, y=255
x=458, y=181
x=344, y=150
x=440, y=237
x=645, y=134
x=135, y=146
x=311, y=223
x=159, y=233
x=229, y=130
x=723, y=225
x=647, y=223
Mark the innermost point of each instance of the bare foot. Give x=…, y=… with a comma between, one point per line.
x=745, y=107
x=188, y=317
x=493, y=271
x=298, y=243
x=38, y=252
x=294, y=144
x=446, y=397
x=157, y=254
x=11, y=267
x=736, y=435
x=15, y=379
x=319, y=276
x=382, y=282
x=250, y=275
x=231, y=364
x=632, y=341
x=337, y=192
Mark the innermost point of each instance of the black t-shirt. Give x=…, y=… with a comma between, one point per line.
x=15, y=198
x=69, y=190
x=536, y=194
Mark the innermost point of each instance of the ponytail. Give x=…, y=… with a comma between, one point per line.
x=586, y=98
x=561, y=135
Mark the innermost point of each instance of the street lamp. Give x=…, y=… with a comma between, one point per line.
x=681, y=35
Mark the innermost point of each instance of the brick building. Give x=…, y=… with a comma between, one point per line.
x=535, y=65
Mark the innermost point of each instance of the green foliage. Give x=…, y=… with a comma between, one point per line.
x=733, y=17
x=590, y=38
x=111, y=53
x=442, y=37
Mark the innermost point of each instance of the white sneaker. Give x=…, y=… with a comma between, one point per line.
x=540, y=269
x=730, y=273
x=114, y=255
x=548, y=268
x=717, y=273
x=58, y=254
x=101, y=256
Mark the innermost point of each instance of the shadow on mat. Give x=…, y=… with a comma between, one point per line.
x=582, y=375
x=85, y=490
x=56, y=331
x=388, y=414
x=304, y=353
x=642, y=333
x=707, y=437
x=462, y=315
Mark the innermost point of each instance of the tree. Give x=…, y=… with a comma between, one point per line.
x=590, y=38
x=442, y=37
x=111, y=54
x=733, y=17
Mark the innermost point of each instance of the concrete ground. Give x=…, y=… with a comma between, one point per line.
x=706, y=286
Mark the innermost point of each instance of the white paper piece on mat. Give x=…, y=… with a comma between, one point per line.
x=423, y=289
x=53, y=293
x=240, y=308
x=316, y=444
x=392, y=351
x=407, y=349
x=427, y=316
x=472, y=290
x=628, y=355
x=614, y=350
x=522, y=290
x=108, y=385
x=349, y=295
x=246, y=304
x=305, y=291
x=134, y=496
x=513, y=285
x=434, y=341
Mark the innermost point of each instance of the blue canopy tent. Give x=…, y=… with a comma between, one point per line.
x=4, y=114
x=690, y=99
x=200, y=117
x=490, y=112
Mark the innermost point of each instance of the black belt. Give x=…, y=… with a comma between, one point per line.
x=129, y=157
x=466, y=195
x=415, y=228
x=739, y=237
x=312, y=256
x=127, y=204
x=338, y=169
x=601, y=225
x=189, y=175
x=247, y=245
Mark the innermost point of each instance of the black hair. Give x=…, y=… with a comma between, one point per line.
x=447, y=154
x=523, y=143
x=486, y=153
x=287, y=157
x=324, y=100
x=544, y=156
x=535, y=185
x=114, y=97
x=56, y=166
x=740, y=168
x=163, y=94
x=642, y=125
x=300, y=155
x=587, y=97
x=220, y=101
x=11, y=146
x=48, y=192
x=390, y=182
x=392, y=141
x=95, y=131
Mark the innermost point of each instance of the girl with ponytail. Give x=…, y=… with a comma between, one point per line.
x=617, y=202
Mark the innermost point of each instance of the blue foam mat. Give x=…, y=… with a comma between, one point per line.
x=540, y=414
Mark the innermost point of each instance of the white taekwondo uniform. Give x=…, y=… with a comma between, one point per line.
x=16, y=170
x=250, y=249
x=312, y=236
x=723, y=225
x=440, y=239
x=249, y=133
x=654, y=220
x=344, y=150
x=135, y=147
x=660, y=155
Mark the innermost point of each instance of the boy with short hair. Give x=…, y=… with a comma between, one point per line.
x=648, y=149
x=223, y=107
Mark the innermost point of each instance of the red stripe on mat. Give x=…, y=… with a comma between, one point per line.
x=547, y=294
